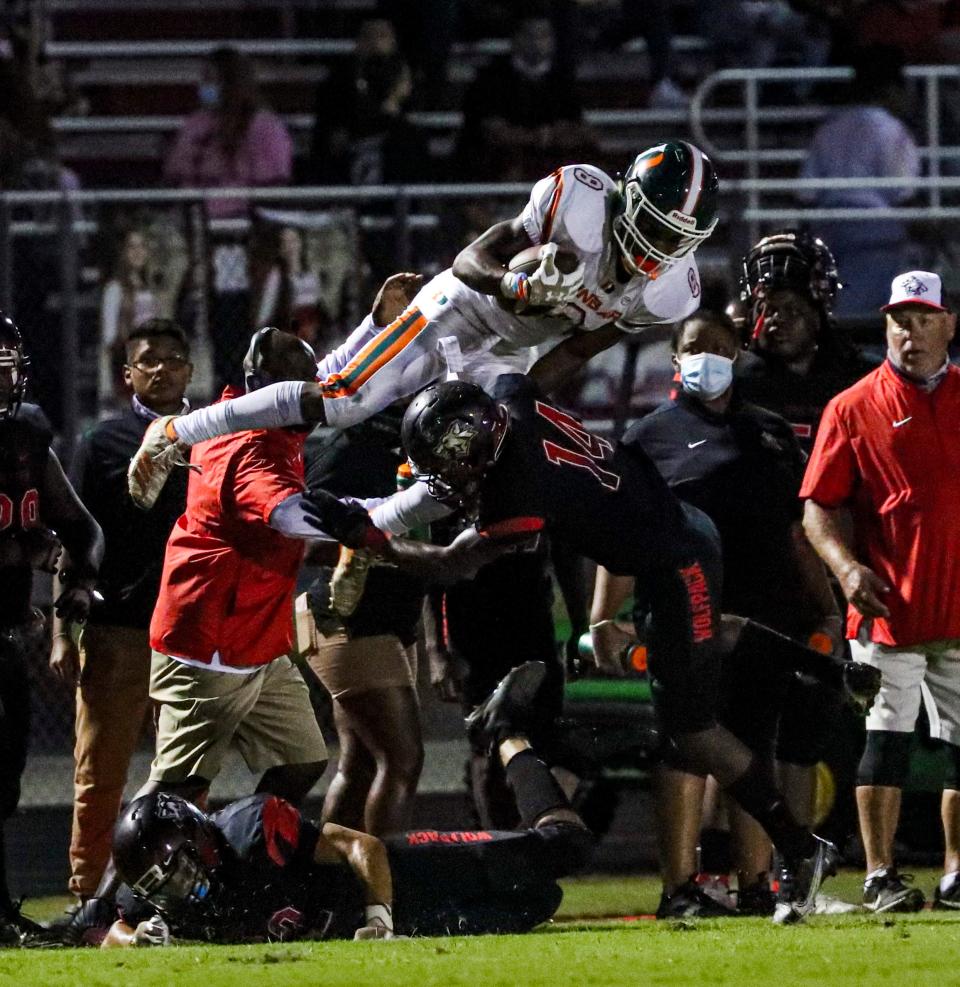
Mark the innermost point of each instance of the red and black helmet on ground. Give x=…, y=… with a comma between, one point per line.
x=167, y=851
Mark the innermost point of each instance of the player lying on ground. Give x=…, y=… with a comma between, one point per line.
x=634, y=241
x=258, y=870
x=514, y=455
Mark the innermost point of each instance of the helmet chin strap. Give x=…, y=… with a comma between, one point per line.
x=452, y=355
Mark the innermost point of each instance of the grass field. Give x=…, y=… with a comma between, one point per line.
x=586, y=944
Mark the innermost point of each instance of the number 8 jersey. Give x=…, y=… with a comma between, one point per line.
x=573, y=207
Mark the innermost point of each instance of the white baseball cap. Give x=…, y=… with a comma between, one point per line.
x=916, y=288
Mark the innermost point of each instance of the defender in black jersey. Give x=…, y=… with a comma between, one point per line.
x=39, y=512
x=513, y=454
x=258, y=870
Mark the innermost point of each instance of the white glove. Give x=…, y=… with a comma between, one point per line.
x=610, y=645
x=547, y=286
x=152, y=932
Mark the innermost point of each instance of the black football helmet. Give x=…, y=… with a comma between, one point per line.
x=167, y=851
x=255, y=375
x=14, y=364
x=791, y=259
x=667, y=207
x=452, y=433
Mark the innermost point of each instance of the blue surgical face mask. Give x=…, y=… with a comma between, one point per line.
x=209, y=95
x=706, y=375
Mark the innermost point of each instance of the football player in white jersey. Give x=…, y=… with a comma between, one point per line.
x=634, y=239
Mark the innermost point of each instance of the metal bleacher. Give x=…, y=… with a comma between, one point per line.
x=135, y=67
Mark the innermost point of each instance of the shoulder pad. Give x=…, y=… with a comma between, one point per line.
x=36, y=422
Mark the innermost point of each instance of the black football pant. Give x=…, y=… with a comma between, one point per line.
x=488, y=881
x=679, y=594
x=502, y=618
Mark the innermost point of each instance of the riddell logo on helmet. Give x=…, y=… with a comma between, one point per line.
x=681, y=217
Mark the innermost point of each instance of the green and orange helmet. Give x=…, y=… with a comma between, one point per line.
x=667, y=207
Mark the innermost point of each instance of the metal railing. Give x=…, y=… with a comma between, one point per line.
x=291, y=47
x=752, y=153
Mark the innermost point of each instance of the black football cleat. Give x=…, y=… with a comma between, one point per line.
x=799, y=888
x=886, y=890
x=949, y=897
x=691, y=901
x=757, y=899
x=18, y=930
x=504, y=712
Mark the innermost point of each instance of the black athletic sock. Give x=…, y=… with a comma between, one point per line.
x=715, y=855
x=757, y=793
x=796, y=656
x=534, y=787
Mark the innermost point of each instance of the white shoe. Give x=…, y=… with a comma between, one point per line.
x=826, y=905
x=157, y=456
x=799, y=890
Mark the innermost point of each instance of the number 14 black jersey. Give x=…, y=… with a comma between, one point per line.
x=607, y=502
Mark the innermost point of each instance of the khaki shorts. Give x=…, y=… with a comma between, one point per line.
x=928, y=673
x=347, y=666
x=266, y=715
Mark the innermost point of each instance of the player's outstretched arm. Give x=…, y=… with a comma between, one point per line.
x=366, y=856
x=469, y=552
x=482, y=264
x=151, y=932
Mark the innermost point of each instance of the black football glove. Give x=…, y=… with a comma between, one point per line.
x=861, y=683
x=87, y=926
x=349, y=524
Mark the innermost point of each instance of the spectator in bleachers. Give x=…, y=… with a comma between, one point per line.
x=233, y=140
x=762, y=33
x=427, y=30
x=866, y=139
x=289, y=297
x=111, y=668
x=360, y=137
x=522, y=114
x=603, y=25
x=129, y=299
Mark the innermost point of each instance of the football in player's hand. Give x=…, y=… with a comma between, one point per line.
x=527, y=261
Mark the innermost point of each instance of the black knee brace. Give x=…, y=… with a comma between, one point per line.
x=951, y=778
x=886, y=759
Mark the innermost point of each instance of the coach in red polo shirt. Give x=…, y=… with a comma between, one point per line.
x=883, y=510
x=222, y=626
